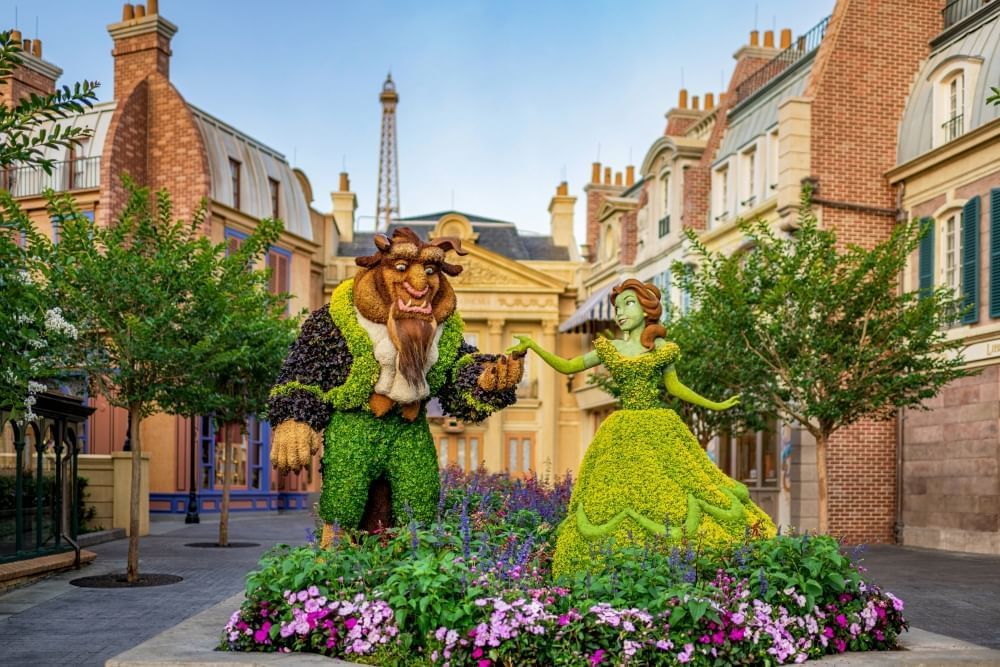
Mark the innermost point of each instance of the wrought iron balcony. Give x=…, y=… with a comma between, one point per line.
x=799, y=49
x=953, y=127
x=30, y=180
x=956, y=10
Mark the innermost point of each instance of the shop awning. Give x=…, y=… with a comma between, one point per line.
x=594, y=315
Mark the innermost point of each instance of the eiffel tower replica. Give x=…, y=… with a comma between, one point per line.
x=388, y=165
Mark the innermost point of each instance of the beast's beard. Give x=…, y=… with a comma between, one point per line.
x=413, y=338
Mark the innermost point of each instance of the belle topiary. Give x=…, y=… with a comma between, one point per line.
x=360, y=374
x=645, y=475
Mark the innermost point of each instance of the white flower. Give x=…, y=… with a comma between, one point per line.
x=54, y=321
x=35, y=387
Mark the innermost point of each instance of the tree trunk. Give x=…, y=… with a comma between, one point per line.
x=134, y=500
x=227, y=457
x=821, y=443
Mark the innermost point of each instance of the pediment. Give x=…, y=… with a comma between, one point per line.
x=488, y=270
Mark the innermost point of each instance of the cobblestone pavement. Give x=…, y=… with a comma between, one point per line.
x=55, y=623
x=949, y=593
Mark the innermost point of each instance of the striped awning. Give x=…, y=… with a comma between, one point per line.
x=594, y=315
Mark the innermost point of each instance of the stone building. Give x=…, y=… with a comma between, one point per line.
x=947, y=172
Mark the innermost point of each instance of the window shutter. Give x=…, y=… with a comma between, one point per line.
x=272, y=280
x=995, y=252
x=283, y=277
x=926, y=259
x=970, y=261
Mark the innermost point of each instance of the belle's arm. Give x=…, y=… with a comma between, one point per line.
x=677, y=388
x=564, y=366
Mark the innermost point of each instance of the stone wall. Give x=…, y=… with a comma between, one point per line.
x=951, y=487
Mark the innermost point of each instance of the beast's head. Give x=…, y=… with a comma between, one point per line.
x=405, y=286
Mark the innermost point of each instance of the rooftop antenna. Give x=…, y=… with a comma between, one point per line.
x=756, y=6
x=598, y=151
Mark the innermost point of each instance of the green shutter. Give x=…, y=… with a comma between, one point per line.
x=925, y=269
x=995, y=252
x=970, y=261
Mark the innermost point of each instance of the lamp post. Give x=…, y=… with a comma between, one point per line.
x=192, y=511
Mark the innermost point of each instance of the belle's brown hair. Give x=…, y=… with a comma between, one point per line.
x=648, y=295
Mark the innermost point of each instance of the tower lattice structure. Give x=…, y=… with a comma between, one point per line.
x=388, y=164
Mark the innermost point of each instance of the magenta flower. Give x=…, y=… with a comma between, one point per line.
x=263, y=635
x=564, y=619
x=350, y=623
x=486, y=662
x=737, y=634
x=840, y=644
x=841, y=620
x=719, y=637
x=598, y=657
x=477, y=653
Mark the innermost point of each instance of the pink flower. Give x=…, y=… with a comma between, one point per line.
x=350, y=623
x=719, y=637
x=477, y=653
x=598, y=657
x=841, y=620
x=485, y=662
x=564, y=619
x=828, y=632
x=685, y=655
x=737, y=634
x=840, y=644
x=263, y=635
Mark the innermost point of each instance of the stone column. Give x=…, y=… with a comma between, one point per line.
x=493, y=437
x=548, y=394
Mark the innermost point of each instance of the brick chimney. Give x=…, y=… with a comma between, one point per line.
x=345, y=203
x=142, y=46
x=34, y=75
x=680, y=118
x=561, y=212
x=597, y=191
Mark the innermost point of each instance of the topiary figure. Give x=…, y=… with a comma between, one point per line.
x=360, y=374
x=645, y=475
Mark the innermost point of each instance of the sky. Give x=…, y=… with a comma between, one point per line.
x=499, y=100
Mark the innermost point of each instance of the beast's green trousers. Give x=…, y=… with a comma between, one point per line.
x=359, y=448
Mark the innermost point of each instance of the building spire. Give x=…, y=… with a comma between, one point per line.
x=387, y=205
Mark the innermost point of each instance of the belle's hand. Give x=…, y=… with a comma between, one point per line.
x=730, y=402
x=524, y=343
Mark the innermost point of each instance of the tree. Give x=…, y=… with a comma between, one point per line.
x=710, y=365
x=994, y=97
x=24, y=123
x=246, y=338
x=130, y=287
x=828, y=334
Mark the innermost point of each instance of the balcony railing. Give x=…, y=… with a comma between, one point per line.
x=799, y=49
x=664, y=226
x=953, y=127
x=30, y=180
x=956, y=10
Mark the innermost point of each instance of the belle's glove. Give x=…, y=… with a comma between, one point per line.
x=293, y=445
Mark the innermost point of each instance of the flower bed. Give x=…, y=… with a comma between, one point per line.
x=475, y=589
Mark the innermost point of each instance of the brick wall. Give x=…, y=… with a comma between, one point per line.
x=21, y=83
x=629, y=238
x=596, y=194
x=138, y=56
x=859, y=83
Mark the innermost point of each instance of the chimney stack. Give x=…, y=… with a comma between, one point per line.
x=607, y=175
x=36, y=48
x=345, y=203
x=754, y=38
x=768, y=39
x=786, y=38
x=695, y=104
x=629, y=176
x=32, y=76
x=682, y=102
x=709, y=101
x=152, y=7
x=595, y=173
x=561, y=220
x=142, y=47
x=618, y=178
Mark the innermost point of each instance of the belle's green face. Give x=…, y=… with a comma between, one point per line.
x=628, y=311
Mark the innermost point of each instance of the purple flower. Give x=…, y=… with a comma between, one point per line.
x=840, y=644
x=685, y=655
x=563, y=619
x=598, y=657
x=485, y=662
x=264, y=634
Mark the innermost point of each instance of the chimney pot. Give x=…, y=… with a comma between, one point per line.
x=695, y=104
x=140, y=11
x=152, y=6
x=36, y=48
x=769, y=39
x=709, y=101
x=607, y=175
x=754, y=38
x=345, y=182
x=618, y=178
x=682, y=102
x=786, y=37
x=630, y=175
x=15, y=36
x=595, y=173
x=26, y=46
x=128, y=12
x=562, y=189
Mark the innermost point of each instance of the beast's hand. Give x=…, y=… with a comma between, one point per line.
x=292, y=445
x=503, y=373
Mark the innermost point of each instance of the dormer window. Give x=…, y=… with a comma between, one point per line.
x=954, y=106
x=234, y=175
x=720, y=195
x=954, y=80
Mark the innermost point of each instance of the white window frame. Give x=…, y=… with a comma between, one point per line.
x=722, y=192
x=961, y=68
x=772, y=163
x=749, y=178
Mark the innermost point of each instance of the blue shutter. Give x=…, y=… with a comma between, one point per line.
x=925, y=269
x=995, y=252
x=970, y=261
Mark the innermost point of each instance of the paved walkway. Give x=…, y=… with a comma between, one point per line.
x=53, y=623
x=949, y=593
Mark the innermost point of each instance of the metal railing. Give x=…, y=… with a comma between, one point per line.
x=956, y=10
x=799, y=49
x=953, y=127
x=31, y=180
